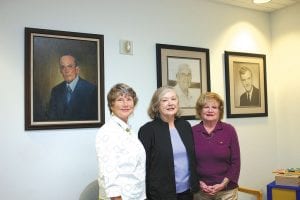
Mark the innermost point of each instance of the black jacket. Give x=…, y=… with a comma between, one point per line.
x=160, y=175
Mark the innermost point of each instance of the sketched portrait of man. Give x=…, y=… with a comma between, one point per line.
x=248, y=87
x=184, y=76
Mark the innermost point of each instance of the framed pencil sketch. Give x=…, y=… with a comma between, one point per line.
x=187, y=70
x=246, y=84
x=64, y=79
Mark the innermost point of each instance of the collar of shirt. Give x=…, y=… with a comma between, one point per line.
x=73, y=83
x=250, y=93
x=218, y=127
x=121, y=124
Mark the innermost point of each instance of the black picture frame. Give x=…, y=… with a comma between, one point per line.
x=43, y=49
x=173, y=58
x=245, y=72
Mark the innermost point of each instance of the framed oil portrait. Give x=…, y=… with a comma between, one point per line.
x=246, y=84
x=187, y=70
x=64, y=79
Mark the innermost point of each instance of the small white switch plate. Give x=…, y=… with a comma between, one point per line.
x=126, y=47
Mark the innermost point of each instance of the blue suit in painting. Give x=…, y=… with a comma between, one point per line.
x=83, y=104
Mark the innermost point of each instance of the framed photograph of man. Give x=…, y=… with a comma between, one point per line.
x=187, y=70
x=246, y=84
x=64, y=79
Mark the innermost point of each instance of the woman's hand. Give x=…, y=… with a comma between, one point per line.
x=116, y=198
x=212, y=190
x=205, y=188
x=216, y=188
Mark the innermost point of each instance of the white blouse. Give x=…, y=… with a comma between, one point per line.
x=121, y=162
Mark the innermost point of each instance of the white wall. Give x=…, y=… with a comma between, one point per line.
x=285, y=73
x=58, y=164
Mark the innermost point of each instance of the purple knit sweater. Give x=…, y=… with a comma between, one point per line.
x=217, y=154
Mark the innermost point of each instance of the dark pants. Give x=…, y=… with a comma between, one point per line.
x=187, y=195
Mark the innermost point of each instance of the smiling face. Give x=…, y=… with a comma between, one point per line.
x=168, y=105
x=123, y=107
x=68, y=68
x=246, y=79
x=211, y=111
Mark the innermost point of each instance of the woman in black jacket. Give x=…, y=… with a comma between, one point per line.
x=170, y=156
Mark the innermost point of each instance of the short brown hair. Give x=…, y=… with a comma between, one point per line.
x=204, y=98
x=118, y=90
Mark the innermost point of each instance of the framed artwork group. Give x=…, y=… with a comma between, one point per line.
x=64, y=79
x=187, y=69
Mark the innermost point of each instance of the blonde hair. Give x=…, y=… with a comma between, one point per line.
x=204, y=98
x=153, y=110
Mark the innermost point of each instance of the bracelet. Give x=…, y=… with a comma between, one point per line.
x=225, y=182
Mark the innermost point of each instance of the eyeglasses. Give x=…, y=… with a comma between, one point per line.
x=185, y=75
x=214, y=108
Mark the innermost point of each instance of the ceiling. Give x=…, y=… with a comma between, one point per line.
x=265, y=7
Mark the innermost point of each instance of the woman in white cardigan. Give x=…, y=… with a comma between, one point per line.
x=121, y=156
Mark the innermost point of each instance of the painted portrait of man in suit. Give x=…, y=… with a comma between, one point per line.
x=251, y=95
x=74, y=98
x=67, y=81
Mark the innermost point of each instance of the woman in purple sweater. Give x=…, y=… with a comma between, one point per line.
x=217, y=151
